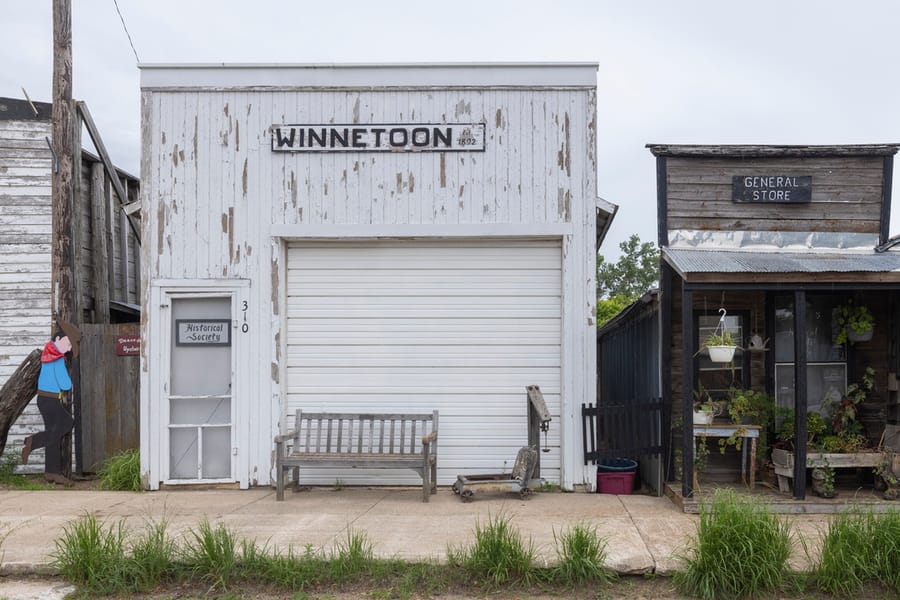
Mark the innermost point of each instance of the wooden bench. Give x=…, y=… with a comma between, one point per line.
x=366, y=440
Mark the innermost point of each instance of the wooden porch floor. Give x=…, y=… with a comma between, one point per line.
x=847, y=497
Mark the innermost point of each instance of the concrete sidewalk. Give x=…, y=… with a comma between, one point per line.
x=644, y=533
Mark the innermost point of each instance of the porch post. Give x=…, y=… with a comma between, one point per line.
x=800, y=400
x=666, y=285
x=687, y=389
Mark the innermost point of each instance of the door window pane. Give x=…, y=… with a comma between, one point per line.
x=201, y=411
x=216, y=452
x=183, y=452
x=201, y=370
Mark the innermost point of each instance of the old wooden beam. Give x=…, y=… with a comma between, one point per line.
x=17, y=392
x=107, y=163
x=100, y=279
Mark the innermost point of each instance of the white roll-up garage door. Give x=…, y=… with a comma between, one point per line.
x=458, y=326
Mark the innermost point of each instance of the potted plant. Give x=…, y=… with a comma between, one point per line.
x=855, y=323
x=721, y=346
x=749, y=407
x=705, y=408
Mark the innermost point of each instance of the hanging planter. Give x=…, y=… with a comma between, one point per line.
x=720, y=343
x=855, y=323
x=721, y=354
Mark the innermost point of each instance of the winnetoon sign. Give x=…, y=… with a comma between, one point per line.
x=425, y=137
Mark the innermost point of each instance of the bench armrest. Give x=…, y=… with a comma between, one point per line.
x=431, y=437
x=286, y=436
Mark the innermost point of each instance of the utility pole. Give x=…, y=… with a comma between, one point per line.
x=63, y=297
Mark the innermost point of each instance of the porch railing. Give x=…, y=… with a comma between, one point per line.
x=628, y=429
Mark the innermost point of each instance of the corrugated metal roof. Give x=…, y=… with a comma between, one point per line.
x=764, y=151
x=717, y=261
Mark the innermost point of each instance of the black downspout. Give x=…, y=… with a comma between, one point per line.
x=800, y=399
x=687, y=391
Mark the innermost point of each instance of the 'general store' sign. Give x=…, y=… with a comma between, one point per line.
x=422, y=137
x=771, y=188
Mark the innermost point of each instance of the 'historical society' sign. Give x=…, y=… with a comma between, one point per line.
x=424, y=137
x=202, y=332
x=771, y=188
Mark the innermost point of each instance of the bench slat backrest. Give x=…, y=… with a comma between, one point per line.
x=361, y=433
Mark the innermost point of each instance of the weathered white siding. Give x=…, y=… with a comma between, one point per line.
x=25, y=231
x=219, y=205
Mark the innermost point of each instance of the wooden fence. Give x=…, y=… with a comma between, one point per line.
x=110, y=394
x=631, y=429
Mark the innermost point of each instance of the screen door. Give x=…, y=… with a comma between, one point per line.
x=200, y=390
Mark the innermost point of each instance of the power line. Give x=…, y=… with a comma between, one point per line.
x=125, y=27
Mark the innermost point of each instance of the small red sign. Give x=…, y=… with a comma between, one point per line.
x=128, y=345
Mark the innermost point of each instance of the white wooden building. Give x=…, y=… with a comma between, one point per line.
x=106, y=266
x=396, y=238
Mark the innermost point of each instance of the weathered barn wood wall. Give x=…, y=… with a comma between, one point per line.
x=25, y=235
x=25, y=231
x=846, y=194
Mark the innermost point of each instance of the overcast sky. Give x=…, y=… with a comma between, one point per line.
x=685, y=72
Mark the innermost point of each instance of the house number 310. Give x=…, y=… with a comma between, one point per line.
x=245, y=327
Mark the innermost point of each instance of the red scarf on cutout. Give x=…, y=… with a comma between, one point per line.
x=51, y=353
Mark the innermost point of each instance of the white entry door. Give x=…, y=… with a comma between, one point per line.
x=199, y=392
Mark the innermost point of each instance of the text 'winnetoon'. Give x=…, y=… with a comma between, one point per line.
x=425, y=137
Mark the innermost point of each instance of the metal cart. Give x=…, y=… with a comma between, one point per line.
x=466, y=486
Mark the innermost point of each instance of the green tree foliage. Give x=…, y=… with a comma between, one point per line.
x=621, y=283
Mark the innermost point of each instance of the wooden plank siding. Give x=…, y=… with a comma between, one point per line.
x=221, y=206
x=25, y=243
x=846, y=195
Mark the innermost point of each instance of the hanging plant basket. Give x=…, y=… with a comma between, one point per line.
x=865, y=336
x=721, y=354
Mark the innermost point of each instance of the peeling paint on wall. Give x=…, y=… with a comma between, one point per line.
x=443, y=170
x=356, y=110
x=412, y=182
x=196, y=130
x=244, y=176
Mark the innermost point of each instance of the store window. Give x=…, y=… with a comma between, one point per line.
x=826, y=375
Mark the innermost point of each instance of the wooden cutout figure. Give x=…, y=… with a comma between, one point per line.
x=53, y=382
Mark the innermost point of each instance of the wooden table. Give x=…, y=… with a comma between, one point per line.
x=747, y=432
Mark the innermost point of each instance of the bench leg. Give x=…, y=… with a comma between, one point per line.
x=295, y=472
x=434, y=477
x=784, y=484
x=279, y=481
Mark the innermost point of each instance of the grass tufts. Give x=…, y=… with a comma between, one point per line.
x=581, y=554
x=498, y=556
x=9, y=477
x=352, y=556
x=211, y=554
x=859, y=548
x=153, y=555
x=740, y=550
x=121, y=472
x=92, y=555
